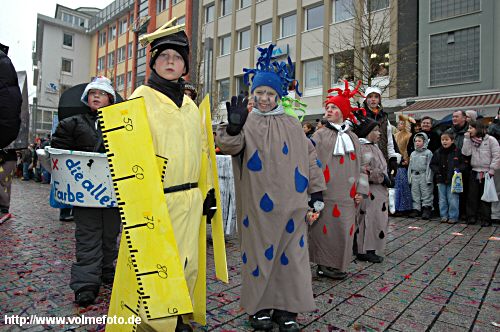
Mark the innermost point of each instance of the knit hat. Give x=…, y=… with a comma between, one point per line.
x=471, y=114
x=342, y=100
x=99, y=83
x=373, y=89
x=177, y=41
x=189, y=86
x=269, y=72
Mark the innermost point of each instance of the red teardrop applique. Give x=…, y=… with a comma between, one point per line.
x=353, y=156
x=326, y=173
x=351, y=230
x=336, y=211
x=341, y=160
x=324, y=229
x=353, y=190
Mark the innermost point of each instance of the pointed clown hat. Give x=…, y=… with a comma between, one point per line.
x=270, y=72
x=343, y=102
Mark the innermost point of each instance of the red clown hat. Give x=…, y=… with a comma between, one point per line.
x=343, y=102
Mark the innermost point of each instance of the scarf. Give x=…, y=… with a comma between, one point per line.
x=277, y=111
x=364, y=141
x=476, y=141
x=171, y=89
x=344, y=142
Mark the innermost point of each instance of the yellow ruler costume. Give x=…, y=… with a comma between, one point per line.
x=161, y=271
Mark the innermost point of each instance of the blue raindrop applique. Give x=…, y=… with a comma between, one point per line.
x=246, y=222
x=290, y=226
x=269, y=252
x=254, y=163
x=255, y=272
x=301, y=242
x=318, y=162
x=301, y=181
x=266, y=203
x=285, y=148
x=284, y=259
x=244, y=258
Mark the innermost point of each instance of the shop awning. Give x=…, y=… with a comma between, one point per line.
x=485, y=104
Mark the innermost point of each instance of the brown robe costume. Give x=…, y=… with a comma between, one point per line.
x=278, y=168
x=331, y=236
x=373, y=215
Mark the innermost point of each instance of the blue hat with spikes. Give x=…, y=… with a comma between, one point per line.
x=269, y=72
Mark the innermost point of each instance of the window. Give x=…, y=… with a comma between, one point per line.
x=244, y=39
x=67, y=40
x=226, y=7
x=102, y=38
x=66, y=66
x=245, y=3
x=224, y=90
x=209, y=13
x=313, y=71
x=373, y=5
x=225, y=45
x=344, y=10
x=100, y=63
x=131, y=22
x=120, y=81
x=454, y=57
x=111, y=59
x=123, y=26
x=288, y=25
x=130, y=50
x=378, y=60
x=112, y=32
x=161, y=5
x=73, y=20
x=449, y=8
x=174, y=2
x=314, y=17
x=265, y=32
x=141, y=52
x=181, y=20
x=242, y=87
x=343, y=67
x=129, y=78
x=120, y=54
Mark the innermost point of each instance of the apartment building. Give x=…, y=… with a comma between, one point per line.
x=459, y=58
x=325, y=39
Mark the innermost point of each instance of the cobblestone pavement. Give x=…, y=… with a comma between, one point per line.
x=436, y=277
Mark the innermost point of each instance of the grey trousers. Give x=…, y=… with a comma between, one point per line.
x=6, y=173
x=421, y=192
x=495, y=206
x=96, y=246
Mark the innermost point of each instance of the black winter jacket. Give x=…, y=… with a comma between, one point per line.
x=80, y=133
x=10, y=102
x=445, y=161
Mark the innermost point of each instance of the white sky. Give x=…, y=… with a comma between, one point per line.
x=18, y=27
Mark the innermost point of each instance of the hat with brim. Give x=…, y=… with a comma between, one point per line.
x=99, y=83
x=177, y=41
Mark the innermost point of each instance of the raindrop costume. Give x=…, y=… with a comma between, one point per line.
x=277, y=169
x=331, y=237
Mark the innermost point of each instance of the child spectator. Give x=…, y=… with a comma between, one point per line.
x=485, y=158
x=446, y=161
x=420, y=177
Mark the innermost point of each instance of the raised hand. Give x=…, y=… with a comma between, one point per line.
x=236, y=114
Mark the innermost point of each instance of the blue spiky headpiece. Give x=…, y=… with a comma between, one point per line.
x=269, y=72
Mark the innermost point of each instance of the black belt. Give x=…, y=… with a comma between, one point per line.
x=185, y=186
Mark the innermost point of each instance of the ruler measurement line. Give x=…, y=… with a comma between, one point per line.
x=112, y=129
x=135, y=226
x=124, y=178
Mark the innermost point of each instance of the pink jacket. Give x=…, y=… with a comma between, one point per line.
x=486, y=157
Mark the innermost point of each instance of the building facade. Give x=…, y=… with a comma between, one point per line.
x=326, y=40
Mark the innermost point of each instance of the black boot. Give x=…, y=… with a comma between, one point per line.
x=370, y=256
x=181, y=326
x=471, y=221
x=486, y=223
x=261, y=321
x=287, y=321
x=414, y=214
x=330, y=272
x=86, y=295
x=426, y=212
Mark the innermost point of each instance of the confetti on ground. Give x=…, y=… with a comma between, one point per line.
x=494, y=238
x=414, y=227
x=457, y=234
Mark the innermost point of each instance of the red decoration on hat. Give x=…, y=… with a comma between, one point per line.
x=342, y=101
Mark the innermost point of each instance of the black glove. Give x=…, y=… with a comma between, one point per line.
x=236, y=114
x=210, y=205
x=393, y=166
x=388, y=182
x=317, y=198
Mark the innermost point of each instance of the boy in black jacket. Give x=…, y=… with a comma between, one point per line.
x=445, y=162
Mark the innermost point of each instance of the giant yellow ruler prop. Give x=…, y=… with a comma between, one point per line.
x=149, y=280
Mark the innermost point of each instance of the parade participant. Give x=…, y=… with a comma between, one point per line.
x=420, y=177
x=403, y=201
x=190, y=90
x=178, y=132
x=277, y=169
x=331, y=237
x=96, y=229
x=373, y=217
x=374, y=110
